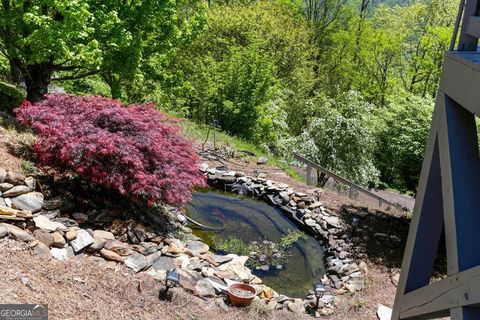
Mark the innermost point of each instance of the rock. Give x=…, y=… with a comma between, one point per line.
x=52, y=204
x=203, y=288
x=176, y=246
x=58, y=240
x=18, y=234
x=383, y=312
x=149, y=286
x=152, y=258
x=272, y=304
x=45, y=224
x=395, y=278
x=266, y=293
x=296, y=306
x=163, y=263
x=8, y=202
x=16, y=191
x=98, y=244
x=3, y=231
x=182, y=261
x=315, y=205
x=3, y=175
x=203, y=167
x=59, y=254
x=136, y=261
x=197, y=247
x=43, y=236
x=42, y=251
x=102, y=234
x=262, y=160
x=83, y=239
x=327, y=298
x=181, y=218
x=310, y=222
x=80, y=217
x=235, y=268
x=71, y=234
x=31, y=183
x=208, y=272
x=119, y=247
x=2, y=202
x=32, y=201
x=15, y=178
x=333, y=221
x=110, y=255
x=5, y=186
x=349, y=269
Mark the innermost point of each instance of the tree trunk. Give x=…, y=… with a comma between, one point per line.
x=113, y=82
x=15, y=72
x=37, y=79
x=322, y=179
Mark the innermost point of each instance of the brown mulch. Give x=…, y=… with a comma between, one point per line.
x=8, y=161
x=82, y=289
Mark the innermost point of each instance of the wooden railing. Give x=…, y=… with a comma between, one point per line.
x=352, y=186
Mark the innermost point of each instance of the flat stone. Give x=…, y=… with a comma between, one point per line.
x=327, y=298
x=262, y=160
x=333, y=221
x=2, y=202
x=5, y=186
x=102, y=234
x=310, y=222
x=110, y=255
x=136, y=262
x=32, y=201
x=203, y=167
x=83, y=239
x=3, y=175
x=197, y=247
x=163, y=263
x=46, y=224
x=152, y=258
x=16, y=191
x=59, y=254
x=119, y=247
x=18, y=234
x=176, y=246
x=15, y=177
x=42, y=251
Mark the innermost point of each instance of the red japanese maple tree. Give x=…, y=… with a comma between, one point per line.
x=134, y=149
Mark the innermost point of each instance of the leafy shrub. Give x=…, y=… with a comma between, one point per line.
x=134, y=150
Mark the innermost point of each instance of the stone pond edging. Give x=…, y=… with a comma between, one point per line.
x=345, y=272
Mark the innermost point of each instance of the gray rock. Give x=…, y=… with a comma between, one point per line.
x=2, y=202
x=44, y=223
x=163, y=263
x=197, y=247
x=3, y=175
x=221, y=259
x=5, y=186
x=18, y=234
x=98, y=244
x=327, y=298
x=262, y=160
x=59, y=254
x=3, y=231
x=204, y=167
x=32, y=201
x=16, y=191
x=204, y=288
x=136, y=261
x=31, y=183
x=152, y=258
x=83, y=239
x=333, y=221
x=310, y=222
x=15, y=178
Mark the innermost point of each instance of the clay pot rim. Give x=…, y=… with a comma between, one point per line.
x=242, y=286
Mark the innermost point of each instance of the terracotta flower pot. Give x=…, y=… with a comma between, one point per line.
x=241, y=300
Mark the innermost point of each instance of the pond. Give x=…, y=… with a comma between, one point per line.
x=252, y=220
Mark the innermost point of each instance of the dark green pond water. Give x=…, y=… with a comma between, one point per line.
x=250, y=220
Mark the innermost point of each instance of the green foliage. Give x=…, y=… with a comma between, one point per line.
x=10, y=96
x=288, y=240
x=234, y=245
x=402, y=140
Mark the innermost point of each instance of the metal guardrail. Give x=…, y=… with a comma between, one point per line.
x=352, y=186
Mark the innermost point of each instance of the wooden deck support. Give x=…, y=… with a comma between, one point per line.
x=448, y=193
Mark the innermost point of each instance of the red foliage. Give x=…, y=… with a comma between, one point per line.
x=135, y=150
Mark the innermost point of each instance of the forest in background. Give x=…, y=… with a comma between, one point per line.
x=349, y=84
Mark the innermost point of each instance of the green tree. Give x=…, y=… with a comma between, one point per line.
x=341, y=137
x=65, y=40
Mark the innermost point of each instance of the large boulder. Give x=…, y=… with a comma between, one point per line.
x=32, y=201
x=10, y=97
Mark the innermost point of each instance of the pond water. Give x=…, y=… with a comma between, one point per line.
x=251, y=220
